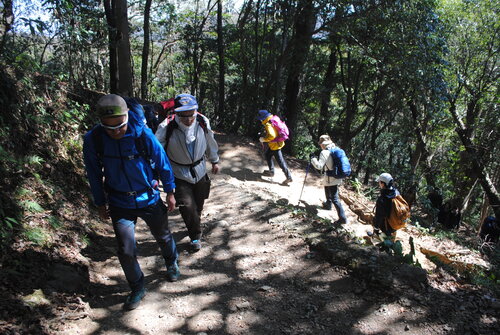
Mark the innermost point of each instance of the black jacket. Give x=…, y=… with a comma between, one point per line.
x=383, y=209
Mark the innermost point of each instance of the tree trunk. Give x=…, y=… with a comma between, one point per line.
x=124, y=57
x=145, y=52
x=304, y=27
x=420, y=130
x=373, y=145
x=222, y=67
x=109, y=9
x=326, y=91
x=477, y=166
x=7, y=21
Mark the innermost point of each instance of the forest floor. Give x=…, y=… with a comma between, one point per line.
x=268, y=266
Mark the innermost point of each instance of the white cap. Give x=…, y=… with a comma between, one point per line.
x=384, y=177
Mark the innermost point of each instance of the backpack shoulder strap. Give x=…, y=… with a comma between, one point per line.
x=98, y=142
x=171, y=126
x=142, y=147
x=202, y=123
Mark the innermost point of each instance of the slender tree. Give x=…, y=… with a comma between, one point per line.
x=304, y=27
x=220, y=49
x=7, y=20
x=145, y=51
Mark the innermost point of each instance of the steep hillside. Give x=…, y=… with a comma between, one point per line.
x=43, y=202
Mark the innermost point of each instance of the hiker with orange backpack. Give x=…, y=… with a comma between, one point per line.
x=391, y=210
x=276, y=134
x=189, y=142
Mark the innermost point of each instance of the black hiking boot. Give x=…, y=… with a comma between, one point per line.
x=268, y=173
x=134, y=300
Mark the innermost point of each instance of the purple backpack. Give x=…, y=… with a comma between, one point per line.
x=281, y=128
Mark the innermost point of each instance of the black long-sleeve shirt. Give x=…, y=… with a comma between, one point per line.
x=383, y=209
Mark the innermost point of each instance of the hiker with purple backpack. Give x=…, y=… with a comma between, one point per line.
x=276, y=134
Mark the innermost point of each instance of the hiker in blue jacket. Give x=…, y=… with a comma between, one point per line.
x=383, y=205
x=325, y=163
x=118, y=155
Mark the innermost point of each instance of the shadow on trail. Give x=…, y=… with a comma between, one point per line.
x=255, y=276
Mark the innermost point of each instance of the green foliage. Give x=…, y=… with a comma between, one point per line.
x=368, y=192
x=85, y=240
x=34, y=160
x=55, y=222
x=357, y=185
x=38, y=236
x=423, y=230
x=26, y=61
x=8, y=224
x=396, y=249
x=31, y=206
x=6, y=156
x=23, y=192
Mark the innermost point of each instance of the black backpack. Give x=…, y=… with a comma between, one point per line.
x=151, y=118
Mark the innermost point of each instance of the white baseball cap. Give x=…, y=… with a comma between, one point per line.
x=384, y=177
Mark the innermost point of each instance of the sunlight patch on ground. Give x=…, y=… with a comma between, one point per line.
x=190, y=282
x=207, y=320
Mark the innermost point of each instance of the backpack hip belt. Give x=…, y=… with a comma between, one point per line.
x=191, y=166
x=128, y=193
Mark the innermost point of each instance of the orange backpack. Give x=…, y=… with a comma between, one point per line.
x=400, y=213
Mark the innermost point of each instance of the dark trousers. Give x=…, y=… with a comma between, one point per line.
x=332, y=195
x=190, y=198
x=124, y=222
x=279, y=158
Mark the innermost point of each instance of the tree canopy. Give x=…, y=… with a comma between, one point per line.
x=406, y=87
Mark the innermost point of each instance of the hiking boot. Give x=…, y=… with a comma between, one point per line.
x=327, y=205
x=268, y=173
x=134, y=299
x=173, y=272
x=287, y=181
x=339, y=222
x=195, y=245
x=375, y=231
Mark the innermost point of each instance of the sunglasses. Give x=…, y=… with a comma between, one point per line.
x=187, y=116
x=121, y=125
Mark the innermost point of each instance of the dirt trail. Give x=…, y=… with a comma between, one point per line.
x=252, y=276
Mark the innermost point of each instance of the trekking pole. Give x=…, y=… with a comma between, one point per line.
x=307, y=172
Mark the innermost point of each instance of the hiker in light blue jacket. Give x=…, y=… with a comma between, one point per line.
x=189, y=142
x=119, y=155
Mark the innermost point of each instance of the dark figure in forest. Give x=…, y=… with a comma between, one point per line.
x=118, y=155
x=384, y=205
x=151, y=117
x=490, y=230
x=449, y=214
x=275, y=144
x=189, y=142
x=331, y=184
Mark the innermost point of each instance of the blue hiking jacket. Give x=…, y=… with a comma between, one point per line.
x=118, y=174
